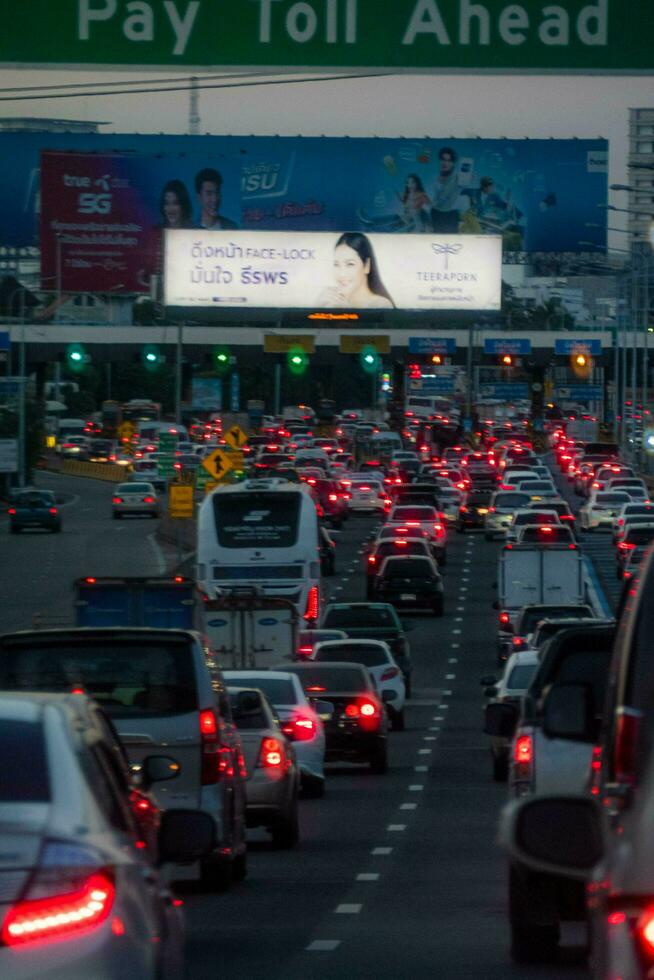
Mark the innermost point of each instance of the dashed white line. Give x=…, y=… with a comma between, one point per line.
x=446, y=694
x=458, y=619
x=456, y=632
x=455, y=646
x=424, y=751
x=435, y=729
x=348, y=908
x=396, y=827
x=450, y=677
x=421, y=768
x=367, y=876
x=381, y=851
x=429, y=738
x=416, y=787
x=453, y=660
x=323, y=945
x=409, y=806
x=460, y=608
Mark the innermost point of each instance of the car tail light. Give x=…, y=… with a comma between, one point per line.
x=491, y=510
x=272, y=754
x=439, y=530
x=313, y=603
x=367, y=489
x=210, y=763
x=11, y=510
x=626, y=546
x=117, y=500
x=595, y=770
x=300, y=728
x=625, y=746
x=372, y=559
x=68, y=894
x=519, y=643
x=645, y=932
x=148, y=500
x=567, y=517
x=506, y=486
x=505, y=619
x=333, y=497
x=390, y=673
x=305, y=650
x=523, y=756
x=366, y=712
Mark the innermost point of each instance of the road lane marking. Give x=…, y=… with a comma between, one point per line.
x=429, y=738
x=396, y=827
x=446, y=694
x=450, y=677
x=435, y=729
x=416, y=787
x=460, y=608
x=424, y=751
x=158, y=553
x=351, y=908
x=421, y=768
x=455, y=646
x=458, y=619
x=323, y=945
x=381, y=851
x=367, y=876
x=457, y=632
x=409, y=806
x=453, y=660
x=438, y=718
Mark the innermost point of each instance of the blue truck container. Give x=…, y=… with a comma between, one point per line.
x=161, y=603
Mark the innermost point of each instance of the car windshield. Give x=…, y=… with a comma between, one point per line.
x=535, y=517
x=351, y=617
x=370, y=655
x=610, y=499
x=408, y=568
x=414, y=514
x=134, y=488
x=510, y=500
x=35, y=497
x=316, y=679
x=130, y=678
x=279, y=690
x=26, y=779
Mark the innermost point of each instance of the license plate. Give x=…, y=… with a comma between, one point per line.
x=407, y=597
x=482, y=510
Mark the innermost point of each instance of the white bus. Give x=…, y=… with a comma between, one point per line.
x=262, y=533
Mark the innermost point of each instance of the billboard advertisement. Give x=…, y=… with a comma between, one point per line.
x=324, y=271
x=103, y=215
x=540, y=195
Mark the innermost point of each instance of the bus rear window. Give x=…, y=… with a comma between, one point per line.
x=257, y=520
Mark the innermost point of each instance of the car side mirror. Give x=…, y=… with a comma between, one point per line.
x=500, y=719
x=555, y=834
x=185, y=836
x=155, y=769
x=324, y=709
x=568, y=713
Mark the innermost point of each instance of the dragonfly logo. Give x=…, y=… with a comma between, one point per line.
x=446, y=250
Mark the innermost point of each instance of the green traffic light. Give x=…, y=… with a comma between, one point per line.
x=369, y=360
x=223, y=358
x=151, y=357
x=297, y=360
x=76, y=357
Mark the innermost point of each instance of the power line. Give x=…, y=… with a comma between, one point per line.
x=184, y=88
x=122, y=81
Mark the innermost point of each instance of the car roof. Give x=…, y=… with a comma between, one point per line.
x=251, y=673
x=350, y=643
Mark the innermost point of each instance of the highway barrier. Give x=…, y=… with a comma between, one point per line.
x=110, y=472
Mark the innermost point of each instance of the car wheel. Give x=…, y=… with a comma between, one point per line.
x=397, y=721
x=379, y=759
x=216, y=874
x=313, y=787
x=438, y=607
x=500, y=768
x=240, y=866
x=286, y=830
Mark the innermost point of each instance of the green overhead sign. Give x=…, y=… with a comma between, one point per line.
x=408, y=35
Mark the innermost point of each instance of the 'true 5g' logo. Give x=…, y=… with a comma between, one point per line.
x=94, y=203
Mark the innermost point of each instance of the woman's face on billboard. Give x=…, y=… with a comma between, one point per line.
x=351, y=273
x=172, y=209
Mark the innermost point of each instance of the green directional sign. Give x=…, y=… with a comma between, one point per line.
x=165, y=465
x=167, y=442
x=421, y=35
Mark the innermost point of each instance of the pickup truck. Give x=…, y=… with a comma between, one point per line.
x=553, y=752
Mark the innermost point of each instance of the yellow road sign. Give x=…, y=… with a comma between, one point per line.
x=180, y=500
x=282, y=343
x=218, y=464
x=354, y=344
x=126, y=430
x=235, y=437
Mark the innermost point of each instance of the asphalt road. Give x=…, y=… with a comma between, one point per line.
x=396, y=875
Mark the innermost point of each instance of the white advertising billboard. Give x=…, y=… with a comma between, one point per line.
x=327, y=270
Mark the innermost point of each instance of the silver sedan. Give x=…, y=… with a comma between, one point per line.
x=135, y=498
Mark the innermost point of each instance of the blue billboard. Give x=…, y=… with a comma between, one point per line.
x=507, y=345
x=540, y=195
x=576, y=346
x=432, y=345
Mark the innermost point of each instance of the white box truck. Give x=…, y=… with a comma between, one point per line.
x=247, y=629
x=538, y=574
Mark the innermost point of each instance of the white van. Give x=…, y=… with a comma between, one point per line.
x=265, y=534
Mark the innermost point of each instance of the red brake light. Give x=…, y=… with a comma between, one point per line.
x=53, y=510
x=545, y=529
x=60, y=916
x=372, y=560
x=332, y=497
x=11, y=510
x=208, y=725
x=645, y=931
x=367, y=709
x=504, y=618
x=272, y=754
x=300, y=728
x=315, y=688
x=210, y=759
x=390, y=673
x=305, y=651
x=491, y=510
x=116, y=500
x=626, y=546
x=626, y=743
x=523, y=750
x=313, y=604
x=148, y=500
